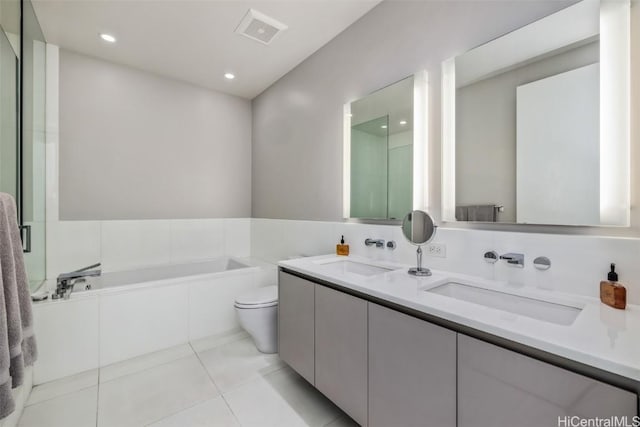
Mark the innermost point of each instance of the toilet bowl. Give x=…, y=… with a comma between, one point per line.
x=257, y=312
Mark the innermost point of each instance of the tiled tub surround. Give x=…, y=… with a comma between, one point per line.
x=129, y=244
x=601, y=337
x=100, y=327
x=578, y=263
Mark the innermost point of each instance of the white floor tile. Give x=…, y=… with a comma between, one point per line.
x=63, y=386
x=238, y=362
x=72, y=410
x=146, y=361
x=213, y=341
x=153, y=394
x=280, y=399
x=211, y=413
x=140, y=363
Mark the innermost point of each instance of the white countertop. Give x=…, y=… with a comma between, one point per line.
x=601, y=336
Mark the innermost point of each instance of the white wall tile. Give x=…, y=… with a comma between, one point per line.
x=132, y=244
x=67, y=334
x=307, y=238
x=267, y=240
x=237, y=237
x=211, y=309
x=579, y=263
x=72, y=245
x=195, y=239
x=138, y=322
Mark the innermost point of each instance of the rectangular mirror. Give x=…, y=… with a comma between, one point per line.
x=536, y=122
x=383, y=143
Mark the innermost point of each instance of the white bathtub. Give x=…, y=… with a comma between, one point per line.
x=131, y=313
x=165, y=274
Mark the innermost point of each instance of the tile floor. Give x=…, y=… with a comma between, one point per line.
x=217, y=381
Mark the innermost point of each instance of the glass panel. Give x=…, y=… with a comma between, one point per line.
x=8, y=117
x=33, y=142
x=380, y=141
x=369, y=169
x=10, y=23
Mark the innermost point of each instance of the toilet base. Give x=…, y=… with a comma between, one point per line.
x=262, y=325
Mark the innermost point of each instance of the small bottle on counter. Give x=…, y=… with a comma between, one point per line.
x=611, y=292
x=342, y=249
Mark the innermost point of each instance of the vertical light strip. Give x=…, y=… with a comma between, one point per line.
x=421, y=141
x=449, y=140
x=615, y=123
x=346, y=161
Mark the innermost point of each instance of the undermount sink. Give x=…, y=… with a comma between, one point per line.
x=560, y=314
x=346, y=266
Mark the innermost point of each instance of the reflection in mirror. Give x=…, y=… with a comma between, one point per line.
x=418, y=228
x=384, y=151
x=527, y=122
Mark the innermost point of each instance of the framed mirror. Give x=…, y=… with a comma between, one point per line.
x=384, y=151
x=536, y=122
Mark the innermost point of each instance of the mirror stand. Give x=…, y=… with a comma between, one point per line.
x=419, y=271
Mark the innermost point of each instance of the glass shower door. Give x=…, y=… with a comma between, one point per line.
x=8, y=114
x=33, y=67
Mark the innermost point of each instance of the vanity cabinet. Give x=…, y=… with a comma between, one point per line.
x=296, y=324
x=499, y=387
x=412, y=371
x=341, y=350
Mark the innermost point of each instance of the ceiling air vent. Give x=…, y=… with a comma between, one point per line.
x=259, y=27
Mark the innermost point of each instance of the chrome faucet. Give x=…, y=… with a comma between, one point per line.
x=66, y=281
x=370, y=242
x=514, y=258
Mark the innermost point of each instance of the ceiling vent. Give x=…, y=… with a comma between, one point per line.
x=259, y=27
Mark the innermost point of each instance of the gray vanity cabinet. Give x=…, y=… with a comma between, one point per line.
x=296, y=324
x=341, y=350
x=499, y=387
x=412, y=371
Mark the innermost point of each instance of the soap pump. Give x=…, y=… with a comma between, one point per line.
x=611, y=292
x=341, y=248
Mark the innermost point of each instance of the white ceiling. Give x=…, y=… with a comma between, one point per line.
x=194, y=41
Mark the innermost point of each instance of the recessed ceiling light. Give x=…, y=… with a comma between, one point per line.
x=383, y=126
x=403, y=122
x=108, y=38
x=229, y=76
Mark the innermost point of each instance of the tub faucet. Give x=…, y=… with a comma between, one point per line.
x=370, y=242
x=513, y=258
x=65, y=281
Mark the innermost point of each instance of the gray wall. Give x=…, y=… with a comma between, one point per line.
x=297, y=122
x=134, y=145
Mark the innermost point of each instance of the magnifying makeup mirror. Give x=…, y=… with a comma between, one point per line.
x=418, y=228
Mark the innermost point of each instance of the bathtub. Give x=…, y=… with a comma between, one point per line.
x=131, y=313
x=164, y=274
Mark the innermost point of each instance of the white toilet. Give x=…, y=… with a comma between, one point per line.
x=258, y=315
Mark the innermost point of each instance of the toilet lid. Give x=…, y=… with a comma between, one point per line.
x=259, y=296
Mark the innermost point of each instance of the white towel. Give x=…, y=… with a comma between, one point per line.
x=17, y=342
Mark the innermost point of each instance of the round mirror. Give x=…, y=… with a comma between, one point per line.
x=418, y=227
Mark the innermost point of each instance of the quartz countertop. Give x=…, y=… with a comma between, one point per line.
x=600, y=336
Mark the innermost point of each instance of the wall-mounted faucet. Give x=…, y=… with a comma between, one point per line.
x=66, y=281
x=370, y=242
x=514, y=258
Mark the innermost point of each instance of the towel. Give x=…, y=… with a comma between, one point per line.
x=462, y=213
x=481, y=213
x=17, y=342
